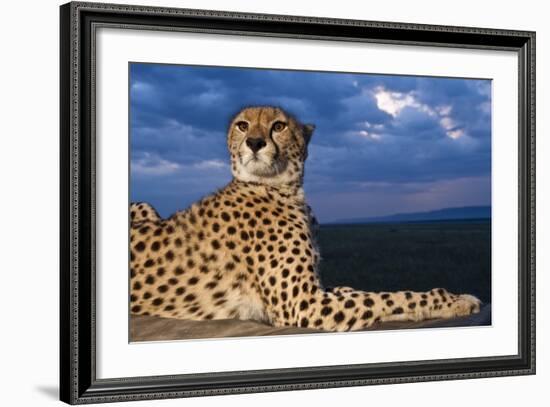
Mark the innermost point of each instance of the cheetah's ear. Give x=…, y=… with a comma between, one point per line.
x=308, y=130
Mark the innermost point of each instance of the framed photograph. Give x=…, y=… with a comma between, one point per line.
x=256, y=203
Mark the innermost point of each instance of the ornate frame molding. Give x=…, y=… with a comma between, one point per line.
x=79, y=21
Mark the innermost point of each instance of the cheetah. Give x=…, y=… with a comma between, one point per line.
x=248, y=250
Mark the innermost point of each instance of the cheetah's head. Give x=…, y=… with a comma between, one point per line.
x=268, y=146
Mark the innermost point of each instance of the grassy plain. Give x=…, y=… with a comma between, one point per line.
x=411, y=256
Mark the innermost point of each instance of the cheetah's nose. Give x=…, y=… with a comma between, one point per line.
x=255, y=144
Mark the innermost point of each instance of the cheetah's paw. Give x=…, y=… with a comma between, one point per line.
x=464, y=304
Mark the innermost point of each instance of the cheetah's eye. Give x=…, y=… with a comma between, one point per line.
x=279, y=126
x=243, y=126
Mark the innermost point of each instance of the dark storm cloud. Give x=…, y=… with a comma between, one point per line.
x=378, y=138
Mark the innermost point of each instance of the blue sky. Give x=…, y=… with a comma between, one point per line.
x=383, y=144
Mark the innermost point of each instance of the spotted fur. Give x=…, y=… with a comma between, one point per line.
x=141, y=211
x=248, y=250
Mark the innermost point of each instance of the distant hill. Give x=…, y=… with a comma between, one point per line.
x=445, y=214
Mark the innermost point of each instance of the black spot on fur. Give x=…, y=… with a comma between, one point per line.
x=326, y=311
x=349, y=304
x=367, y=314
x=339, y=316
x=368, y=302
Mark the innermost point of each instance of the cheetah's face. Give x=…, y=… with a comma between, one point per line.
x=267, y=145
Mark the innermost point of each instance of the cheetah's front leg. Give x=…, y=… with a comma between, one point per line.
x=437, y=303
x=345, y=309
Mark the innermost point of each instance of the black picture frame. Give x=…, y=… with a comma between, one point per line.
x=78, y=382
